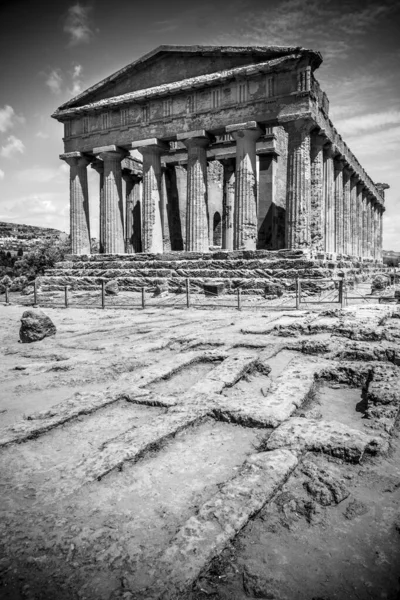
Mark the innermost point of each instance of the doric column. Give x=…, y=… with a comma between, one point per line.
x=360, y=186
x=79, y=202
x=380, y=224
x=228, y=203
x=364, y=224
x=131, y=185
x=353, y=215
x=197, y=210
x=112, y=199
x=98, y=166
x=347, y=172
x=152, y=233
x=245, y=211
x=369, y=226
x=298, y=203
x=317, y=192
x=329, y=154
x=338, y=166
x=164, y=210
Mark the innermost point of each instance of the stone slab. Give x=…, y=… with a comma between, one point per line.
x=218, y=520
x=331, y=437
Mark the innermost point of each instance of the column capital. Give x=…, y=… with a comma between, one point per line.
x=111, y=152
x=303, y=125
x=339, y=163
x=249, y=125
x=98, y=165
x=198, y=133
x=150, y=144
x=75, y=159
x=331, y=150
x=318, y=138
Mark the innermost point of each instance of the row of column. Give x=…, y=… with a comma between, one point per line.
x=328, y=209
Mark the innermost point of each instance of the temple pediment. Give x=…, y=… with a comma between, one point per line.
x=167, y=64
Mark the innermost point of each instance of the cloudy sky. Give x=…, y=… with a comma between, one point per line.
x=53, y=49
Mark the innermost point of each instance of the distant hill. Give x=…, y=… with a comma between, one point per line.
x=14, y=236
x=391, y=258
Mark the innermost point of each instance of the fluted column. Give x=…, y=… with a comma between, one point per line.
x=245, y=212
x=329, y=154
x=380, y=226
x=369, y=226
x=364, y=224
x=360, y=186
x=317, y=193
x=98, y=166
x=112, y=199
x=346, y=210
x=298, y=200
x=228, y=203
x=339, y=166
x=131, y=183
x=353, y=216
x=79, y=202
x=197, y=207
x=164, y=211
x=152, y=233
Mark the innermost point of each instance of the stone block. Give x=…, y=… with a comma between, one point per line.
x=214, y=289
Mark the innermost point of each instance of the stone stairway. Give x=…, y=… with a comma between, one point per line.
x=255, y=272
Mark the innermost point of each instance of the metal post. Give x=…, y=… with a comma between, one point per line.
x=341, y=296
x=239, y=298
x=66, y=296
x=35, y=302
x=103, y=294
x=298, y=287
x=143, y=298
x=188, y=292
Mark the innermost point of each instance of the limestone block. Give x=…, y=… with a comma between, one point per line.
x=330, y=437
x=35, y=326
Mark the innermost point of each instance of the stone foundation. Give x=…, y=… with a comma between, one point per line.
x=252, y=271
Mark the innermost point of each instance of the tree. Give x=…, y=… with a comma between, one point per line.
x=20, y=252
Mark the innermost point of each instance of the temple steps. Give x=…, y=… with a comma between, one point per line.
x=252, y=271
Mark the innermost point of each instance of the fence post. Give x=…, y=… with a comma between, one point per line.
x=341, y=296
x=188, y=292
x=6, y=293
x=298, y=288
x=143, y=298
x=239, y=298
x=66, y=296
x=103, y=294
x=35, y=302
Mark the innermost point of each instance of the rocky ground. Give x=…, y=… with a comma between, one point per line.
x=194, y=454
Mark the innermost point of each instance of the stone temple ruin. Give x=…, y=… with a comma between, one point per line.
x=228, y=156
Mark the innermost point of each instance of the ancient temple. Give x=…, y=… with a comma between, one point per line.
x=206, y=147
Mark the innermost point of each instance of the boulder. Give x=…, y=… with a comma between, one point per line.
x=213, y=289
x=380, y=282
x=111, y=288
x=273, y=289
x=35, y=325
x=161, y=290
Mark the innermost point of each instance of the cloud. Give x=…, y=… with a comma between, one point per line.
x=13, y=147
x=76, y=80
x=8, y=118
x=361, y=123
x=37, y=174
x=55, y=81
x=2, y=174
x=47, y=209
x=335, y=28
x=77, y=24
x=42, y=135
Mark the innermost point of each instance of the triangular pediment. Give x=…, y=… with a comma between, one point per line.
x=167, y=64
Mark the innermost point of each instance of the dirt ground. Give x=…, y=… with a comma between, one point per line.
x=194, y=454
